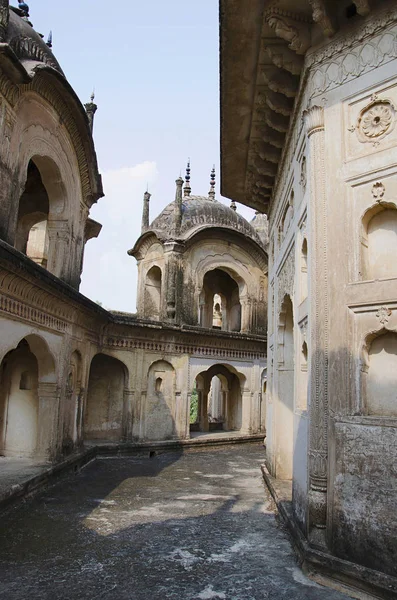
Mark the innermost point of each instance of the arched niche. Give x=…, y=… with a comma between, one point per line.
x=285, y=391
x=380, y=374
x=153, y=293
x=220, y=284
x=379, y=242
x=27, y=426
x=103, y=416
x=160, y=405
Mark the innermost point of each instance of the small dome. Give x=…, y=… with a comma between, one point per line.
x=200, y=211
x=28, y=45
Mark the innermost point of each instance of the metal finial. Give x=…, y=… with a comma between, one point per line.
x=187, y=189
x=49, y=40
x=233, y=205
x=211, y=193
x=93, y=95
x=23, y=7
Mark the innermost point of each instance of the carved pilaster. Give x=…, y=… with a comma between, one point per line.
x=4, y=19
x=318, y=450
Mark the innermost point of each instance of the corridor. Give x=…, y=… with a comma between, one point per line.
x=192, y=526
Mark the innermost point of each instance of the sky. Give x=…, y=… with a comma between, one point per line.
x=154, y=66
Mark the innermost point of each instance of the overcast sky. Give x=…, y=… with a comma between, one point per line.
x=154, y=66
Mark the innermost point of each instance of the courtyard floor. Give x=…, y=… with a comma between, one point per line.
x=198, y=525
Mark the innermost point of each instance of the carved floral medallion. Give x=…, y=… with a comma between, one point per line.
x=375, y=121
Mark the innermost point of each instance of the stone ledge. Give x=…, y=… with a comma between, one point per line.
x=350, y=578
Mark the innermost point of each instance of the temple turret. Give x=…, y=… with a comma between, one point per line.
x=178, y=204
x=145, y=211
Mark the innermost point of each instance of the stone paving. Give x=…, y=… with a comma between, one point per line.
x=197, y=525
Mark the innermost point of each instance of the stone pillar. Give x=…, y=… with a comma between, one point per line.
x=246, y=411
x=128, y=414
x=318, y=327
x=203, y=410
x=58, y=249
x=225, y=410
x=245, y=313
x=47, y=442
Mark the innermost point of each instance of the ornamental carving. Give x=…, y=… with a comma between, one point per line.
x=378, y=191
x=375, y=121
x=384, y=315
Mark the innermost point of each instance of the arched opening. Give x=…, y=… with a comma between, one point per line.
x=73, y=404
x=152, y=303
x=380, y=242
x=304, y=284
x=160, y=402
x=34, y=207
x=285, y=404
x=19, y=402
x=382, y=376
x=103, y=418
x=216, y=401
x=220, y=301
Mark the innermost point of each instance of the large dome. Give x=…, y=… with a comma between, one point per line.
x=28, y=45
x=199, y=212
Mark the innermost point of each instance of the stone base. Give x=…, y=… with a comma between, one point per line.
x=350, y=578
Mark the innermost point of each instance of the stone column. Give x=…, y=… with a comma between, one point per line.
x=246, y=411
x=128, y=414
x=58, y=249
x=47, y=442
x=225, y=410
x=245, y=313
x=318, y=326
x=203, y=410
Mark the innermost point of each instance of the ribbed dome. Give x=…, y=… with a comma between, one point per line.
x=201, y=211
x=27, y=44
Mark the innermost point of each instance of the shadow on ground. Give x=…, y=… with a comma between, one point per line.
x=198, y=525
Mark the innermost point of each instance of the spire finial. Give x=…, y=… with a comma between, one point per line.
x=187, y=189
x=91, y=109
x=23, y=7
x=49, y=40
x=233, y=205
x=211, y=193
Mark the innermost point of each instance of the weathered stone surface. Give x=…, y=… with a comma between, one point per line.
x=195, y=526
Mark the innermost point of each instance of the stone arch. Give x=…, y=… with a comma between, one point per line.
x=28, y=399
x=225, y=283
x=229, y=403
x=379, y=241
x=160, y=401
x=379, y=373
x=104, y=410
